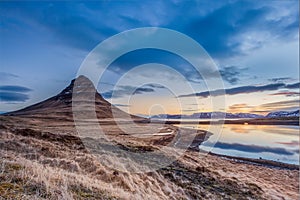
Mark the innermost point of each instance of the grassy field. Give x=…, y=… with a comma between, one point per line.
x=45, y=159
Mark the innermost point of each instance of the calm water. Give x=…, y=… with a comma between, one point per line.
x=278, y=143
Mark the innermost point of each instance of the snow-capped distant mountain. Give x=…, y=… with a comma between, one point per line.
x=167, y=116
x=208, y=115
x=248, y=115
x=220, y=115
x=283, y=114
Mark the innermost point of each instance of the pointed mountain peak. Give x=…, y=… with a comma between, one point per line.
x=81, y=90
x=81, y=78
x=79, y=84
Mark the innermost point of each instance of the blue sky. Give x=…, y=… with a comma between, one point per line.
x=254, y=44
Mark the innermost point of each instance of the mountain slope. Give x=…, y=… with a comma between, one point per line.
x=60, y=106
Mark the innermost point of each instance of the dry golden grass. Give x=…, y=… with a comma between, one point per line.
x=43, y=161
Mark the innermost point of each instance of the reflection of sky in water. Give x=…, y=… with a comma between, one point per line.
x=279, y=143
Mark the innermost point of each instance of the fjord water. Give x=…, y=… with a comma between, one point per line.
x=270, y=142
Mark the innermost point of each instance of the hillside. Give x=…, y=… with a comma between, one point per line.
x=60, y=105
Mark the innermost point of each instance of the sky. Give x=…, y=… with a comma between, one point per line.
x=254, y=46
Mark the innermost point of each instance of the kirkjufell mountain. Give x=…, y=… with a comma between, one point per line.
x=60, y=105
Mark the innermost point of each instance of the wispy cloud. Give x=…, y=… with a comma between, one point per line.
x=293, y=86
x=148, y=55
x=265, y=108
x=13, y=97
x=240, y=107
x=231, y=74
x=244, y=31
x=152, y=85
x=280, y=79
x=15, y=88
x=13, y=93
x=125, y=91
x=280, y=105
x=7, y=76
x=294, y=143
x=286, y=93
x=243, y=90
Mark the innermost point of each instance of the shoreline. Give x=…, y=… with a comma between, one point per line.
x=293, y=122
x=261, y=162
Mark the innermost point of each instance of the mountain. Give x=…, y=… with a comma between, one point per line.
x=208, y=115
x=60, y=106
x=283, y=114
x=248, y=115
x=220, y=115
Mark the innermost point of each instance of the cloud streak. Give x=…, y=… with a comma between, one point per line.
x=13, y=97
x=231, y=74
x=14, y=88
x=7, y=76
x=280, y=79
x=265, y=108
x=126, y=91
x=293, y=86
x=243, y=90
x=280, y=105
x=286, y=93
x=153, y=85
x=13, y=93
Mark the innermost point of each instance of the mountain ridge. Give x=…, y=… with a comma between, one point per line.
x=218, y=115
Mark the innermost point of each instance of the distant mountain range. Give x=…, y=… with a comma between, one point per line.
x=218, y=115
x=283, y=114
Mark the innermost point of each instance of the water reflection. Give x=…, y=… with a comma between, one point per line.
x=279, y=143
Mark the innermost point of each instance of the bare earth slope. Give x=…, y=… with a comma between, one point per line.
x=42, y=157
